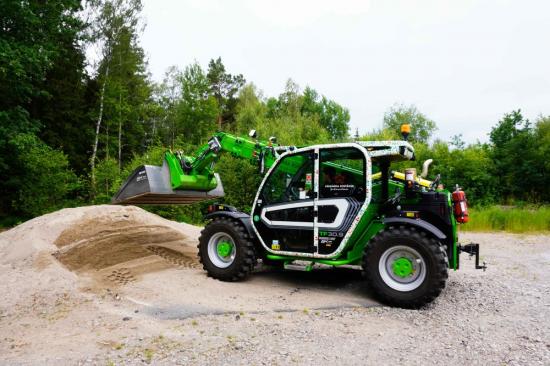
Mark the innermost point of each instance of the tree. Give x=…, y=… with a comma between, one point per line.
x=197, y=110
x=30, y=32
x=125, y=90
x=520, y=169
x=284, y=120
x=127, y=97
x=250, y=110
x=35, y=37
x=42, y=176
x=167, y=95
x=68, y=99
x=422, y=128
x=469, y=167
x=332, y=116
x=457, y=141
x=224, y=87
x=327, y=114
x=508, y=128
x=542, y=151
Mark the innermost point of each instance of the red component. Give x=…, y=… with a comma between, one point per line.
x=460, y=206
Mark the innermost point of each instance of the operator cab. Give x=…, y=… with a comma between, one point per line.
x=312, y=198
x=308, y=201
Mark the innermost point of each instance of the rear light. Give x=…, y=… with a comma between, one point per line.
x=460, y=206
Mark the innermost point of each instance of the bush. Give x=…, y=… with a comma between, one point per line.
x=44, y=179
x=108, y=180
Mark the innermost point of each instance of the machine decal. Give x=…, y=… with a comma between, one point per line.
x=341, y=204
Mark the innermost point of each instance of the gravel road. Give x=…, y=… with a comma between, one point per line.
x=497, y=317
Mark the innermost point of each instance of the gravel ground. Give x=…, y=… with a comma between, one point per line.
x=497, y=317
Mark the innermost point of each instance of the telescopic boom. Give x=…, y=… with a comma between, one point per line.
x=187, y=179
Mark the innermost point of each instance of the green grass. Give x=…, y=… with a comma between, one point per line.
x=513, y=220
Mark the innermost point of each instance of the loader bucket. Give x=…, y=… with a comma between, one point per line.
x=150, y=185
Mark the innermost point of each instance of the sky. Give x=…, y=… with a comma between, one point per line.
x=464, y=63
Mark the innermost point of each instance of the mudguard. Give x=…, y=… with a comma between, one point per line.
x=421, y=224
x=241, y=216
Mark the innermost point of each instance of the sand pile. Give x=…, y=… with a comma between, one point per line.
x=105, y=243
x=97, y=242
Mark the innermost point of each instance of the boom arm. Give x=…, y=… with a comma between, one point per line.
x=188, y=179
x=196, y=172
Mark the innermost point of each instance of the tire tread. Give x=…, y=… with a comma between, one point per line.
x=438, y=275
x=246, y=258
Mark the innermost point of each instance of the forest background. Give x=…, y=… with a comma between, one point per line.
x=73, y=129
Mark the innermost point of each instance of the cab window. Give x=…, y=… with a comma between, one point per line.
x=291, y=180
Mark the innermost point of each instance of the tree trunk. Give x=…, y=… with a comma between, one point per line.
x=107, y=141
x=173, y=132
x=119, y=131
x=119, y=117
x=97, y=127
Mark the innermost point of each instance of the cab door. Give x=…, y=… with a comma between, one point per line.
x=283, y=214
x=342, y=193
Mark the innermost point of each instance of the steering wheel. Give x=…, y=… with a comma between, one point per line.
x=293, y=193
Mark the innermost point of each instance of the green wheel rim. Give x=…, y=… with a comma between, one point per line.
x=224, y=248
x=221, y=249
x=402, y=267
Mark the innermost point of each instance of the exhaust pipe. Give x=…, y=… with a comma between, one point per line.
x=425, y=167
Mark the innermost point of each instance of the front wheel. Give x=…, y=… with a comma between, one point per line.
x=405, y=267
x=226, y=251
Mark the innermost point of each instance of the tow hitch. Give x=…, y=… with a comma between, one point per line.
x=472, y=249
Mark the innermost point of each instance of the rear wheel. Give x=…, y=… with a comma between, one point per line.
x=405, y=267
x=225, y=250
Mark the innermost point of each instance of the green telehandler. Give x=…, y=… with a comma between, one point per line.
x=319, y=206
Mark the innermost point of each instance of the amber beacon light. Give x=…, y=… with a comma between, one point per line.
x=405, y=131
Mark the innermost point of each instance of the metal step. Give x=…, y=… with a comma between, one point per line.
x=306, y=266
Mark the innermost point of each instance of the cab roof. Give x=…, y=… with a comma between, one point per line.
x=393, y=150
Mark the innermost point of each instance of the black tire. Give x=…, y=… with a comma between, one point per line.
x=245, y=256
x=432, y=254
